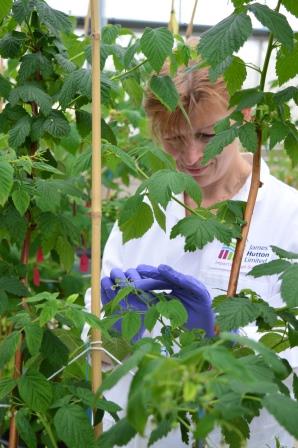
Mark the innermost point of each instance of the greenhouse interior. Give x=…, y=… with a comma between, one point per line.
x=149, y=223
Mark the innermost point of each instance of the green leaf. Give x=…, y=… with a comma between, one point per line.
x=112, y=150
x=108, y=134
x=34, y=335
x=13, y=285
x=5, y=7
x=35, y=390
x=225, y=38
x=161, y=431
x=118, y=435
x=25, y=429
x=271, y=268
x=174, y=311
x=130, y=325
x=54, y=20
x=34, y=63
x=164, y=89
x=235, y=312
x=157, y=44
x=275, y=21
x=293, y=337
x=285, y=410
x=84, y=122
x=248, y=136
x=54, y=350
x=110, y=33
x=291, y=146
x=164, y=183
x=135, y=218
x=56, y=124
x=6, y=386
x=134, y=90
x=48, y=312
x=159, y=215
x=47, y=196
x=291, y=6
x=73, y=427
x=5, y=87
x=218, y=143
x=281, y=253
x=30, y=93
x=277, y=132
x=113, y=378
x=289, y=286
x=151, y=317
x=19, y=132
x=199, y=231
x=65, y=252
x=287, y=63
x=65, y=63
x=11, y=45
x=21, y=10
x=21, y=200
x=295, y=385
x=246, y=98
x=235, y=75
x=6, y=180
x=275, y=341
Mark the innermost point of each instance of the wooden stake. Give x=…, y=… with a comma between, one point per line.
x=190, y=25
x=96, y=196
x=87, y=20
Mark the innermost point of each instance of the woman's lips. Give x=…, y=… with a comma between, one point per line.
x=196, y=171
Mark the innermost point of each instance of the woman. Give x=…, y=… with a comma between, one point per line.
x=205, y=272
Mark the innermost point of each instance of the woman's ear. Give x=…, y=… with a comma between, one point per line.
x=247, y=114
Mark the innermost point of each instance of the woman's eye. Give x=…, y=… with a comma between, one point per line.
x=204, y=137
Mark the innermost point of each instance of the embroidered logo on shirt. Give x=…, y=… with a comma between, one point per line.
x=227, y=252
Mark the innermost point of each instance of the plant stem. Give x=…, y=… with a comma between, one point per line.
x=48, y=429
x=121, y=75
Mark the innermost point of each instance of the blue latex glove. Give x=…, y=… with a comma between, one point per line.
x=193, y=295
x=130, y=278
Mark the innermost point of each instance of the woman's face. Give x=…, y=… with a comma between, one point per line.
x=187, y=146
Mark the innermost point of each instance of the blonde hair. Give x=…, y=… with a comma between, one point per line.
x=193, y=85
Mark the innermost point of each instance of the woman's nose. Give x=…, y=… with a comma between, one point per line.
x=193, y=152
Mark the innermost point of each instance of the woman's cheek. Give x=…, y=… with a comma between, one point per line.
x=170, y=150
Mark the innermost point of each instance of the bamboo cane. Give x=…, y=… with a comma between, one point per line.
x=96, y=195
x=173, y=25
x=190, y=25
x=87, y=20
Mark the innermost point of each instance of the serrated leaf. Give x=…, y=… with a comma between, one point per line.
x=130, y=325
x=19, y=132
x=47, y=196
x=151, y=317
x=34, y=63
x=218, y=143
x=65, y=63
x=246, y=98
x=164, y=89
x=112, y=379
x=8, y=347
x=55, y=20
x=6, y=180
x=225, y=38
x=35, y=390
x=34, y=334
x=30, y=93
x=275, y=21
x=277, y=132
x=25, y=429
x=11, y=45
x=174, y=311
x=235, y=312
x=134, y=90
x=21, y=10
x=271, y=268
x=118, y=153
x=161, y=431
x=5, y=7
x=110, y=33
x=291, y=147
x=289, y=286
x=48, y=312
x=291, y=6
x=6, y=386
x=275, y=341
x=281, y=253
x=65, y=252
x=284, y=409
x=135, y=218
x=84, y=122
x=56, y=124
x=293, y=337
x=73, y=427
x=285, y=95
x=42, y=166
x=21, y=200
x=118, y=435
x=235, y=75
x=5, y=87
x=164, y=183
x=13, y=285
x=108, y=134
x=287, y=63
x=54, y=350
x=248, y=136
x=159, y=215
x=156, y=44
x=217, y=70
x=200, y=231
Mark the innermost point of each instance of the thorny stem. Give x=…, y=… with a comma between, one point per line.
x=255, y=184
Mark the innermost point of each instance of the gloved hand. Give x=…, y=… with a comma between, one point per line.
x=131, y=277
x=192, y=293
